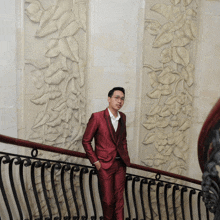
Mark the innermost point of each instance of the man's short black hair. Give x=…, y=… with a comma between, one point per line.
x=110, y=93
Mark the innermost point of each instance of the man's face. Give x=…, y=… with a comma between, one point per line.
x=117, y=100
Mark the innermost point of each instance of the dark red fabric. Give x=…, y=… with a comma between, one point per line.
x=112, y=184
x=106, y=145
x=116, y=134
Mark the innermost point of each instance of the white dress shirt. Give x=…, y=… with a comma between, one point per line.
x=114, y=119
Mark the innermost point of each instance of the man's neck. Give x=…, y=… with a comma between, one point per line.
x=114, y=112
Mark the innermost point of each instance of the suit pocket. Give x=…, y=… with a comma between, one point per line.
x=101, y=154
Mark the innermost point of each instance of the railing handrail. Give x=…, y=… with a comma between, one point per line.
x=29, y=144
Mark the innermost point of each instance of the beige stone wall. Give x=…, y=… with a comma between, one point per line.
x=115, y=59
x=170, y=41
x=10, y=79
x=8, y=76
x=54, y=76
x=55, y=46
x=206, y=88
x=57, y=66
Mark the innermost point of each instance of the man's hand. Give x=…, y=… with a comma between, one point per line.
x=98, y=165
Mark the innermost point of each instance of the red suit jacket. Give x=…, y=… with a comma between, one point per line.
x=106, y=144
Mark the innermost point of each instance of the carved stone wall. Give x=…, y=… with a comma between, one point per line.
x=179, y=80
x=55, y=63
x=55, y=46
x=168, y=77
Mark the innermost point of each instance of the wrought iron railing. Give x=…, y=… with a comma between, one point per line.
x=40, y=188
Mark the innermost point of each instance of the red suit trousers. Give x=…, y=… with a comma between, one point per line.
x=112, y=184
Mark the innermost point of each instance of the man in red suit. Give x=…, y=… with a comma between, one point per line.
x=110, y=156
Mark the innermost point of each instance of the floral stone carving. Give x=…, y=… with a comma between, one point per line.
x=169, y=89
x=59, y=80
x=169, y=116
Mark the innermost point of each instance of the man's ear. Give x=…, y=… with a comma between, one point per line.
x=109, y=99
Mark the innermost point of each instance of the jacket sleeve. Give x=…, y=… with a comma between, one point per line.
x=87, y=139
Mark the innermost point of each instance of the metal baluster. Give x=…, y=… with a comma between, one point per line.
x=34, y=165
x=167, y=186
x=46, y=165
x=207, y=214
x=175, y=187
x=56, y=166
x=199, y=204
x=100, y=196
x=26, y=163
x=65, y=168
x=135, y=179
x=143, y=181
x=91, y=173
x=184, y=189
x=128, y=178
x=159, y=184
x=192, y=191
x=10, y=169
x=74, y=169
x=82, y=172
x=7, y=159
x=151, y=182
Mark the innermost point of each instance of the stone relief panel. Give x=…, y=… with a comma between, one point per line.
x=169, y=48
x=55, y=64
x=170, y=39
x=59, y=80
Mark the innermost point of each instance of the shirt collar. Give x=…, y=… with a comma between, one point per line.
x=112, y=116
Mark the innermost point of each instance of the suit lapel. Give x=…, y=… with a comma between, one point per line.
x=109, y=125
